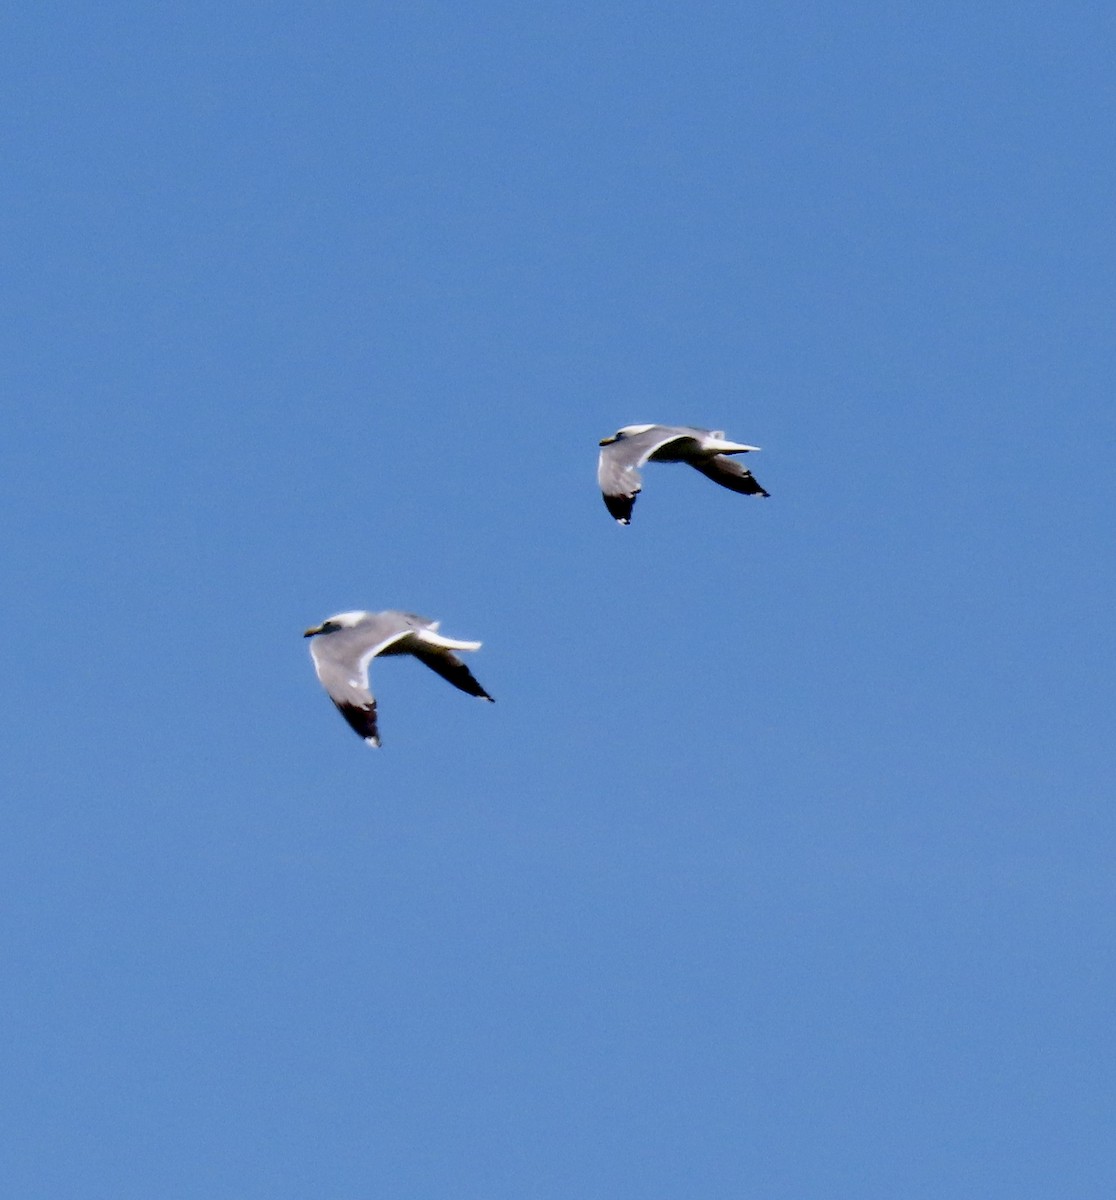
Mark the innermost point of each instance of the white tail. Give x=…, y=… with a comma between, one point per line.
x=444, y=643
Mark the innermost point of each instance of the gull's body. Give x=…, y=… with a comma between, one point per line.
x=704, y=449
x=345, y=645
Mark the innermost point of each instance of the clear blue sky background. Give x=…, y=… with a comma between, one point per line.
x=783, y=865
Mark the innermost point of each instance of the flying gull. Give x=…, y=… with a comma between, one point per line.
x=344, y=646
x=704, y=449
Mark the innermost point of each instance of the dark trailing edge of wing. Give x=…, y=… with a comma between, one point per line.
x=362, y=717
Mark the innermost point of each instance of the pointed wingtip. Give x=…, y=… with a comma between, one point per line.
x=620, y=505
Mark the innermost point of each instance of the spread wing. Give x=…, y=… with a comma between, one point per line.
x=619, y=463
x=449, y=666
x=729, y=473
x=341, y=660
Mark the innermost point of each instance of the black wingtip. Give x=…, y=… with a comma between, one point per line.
x=620, y=507
x=362, y=720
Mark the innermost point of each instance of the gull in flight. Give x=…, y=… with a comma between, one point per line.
x=704, y=449
x=345, y=644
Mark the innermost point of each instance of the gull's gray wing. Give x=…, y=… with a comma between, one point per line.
x=729, y=473
x=341, y=660
x=619, y=463
x=448, y=665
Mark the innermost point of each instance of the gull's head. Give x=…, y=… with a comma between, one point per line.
x=623, y=432
x=345, y=620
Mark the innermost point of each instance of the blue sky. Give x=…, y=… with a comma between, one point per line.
x=782, y=866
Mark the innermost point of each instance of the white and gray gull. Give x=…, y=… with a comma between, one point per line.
x=704, y=449
x=345, y=645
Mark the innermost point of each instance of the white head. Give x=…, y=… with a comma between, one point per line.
x=625, y=431
x=345, y=620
